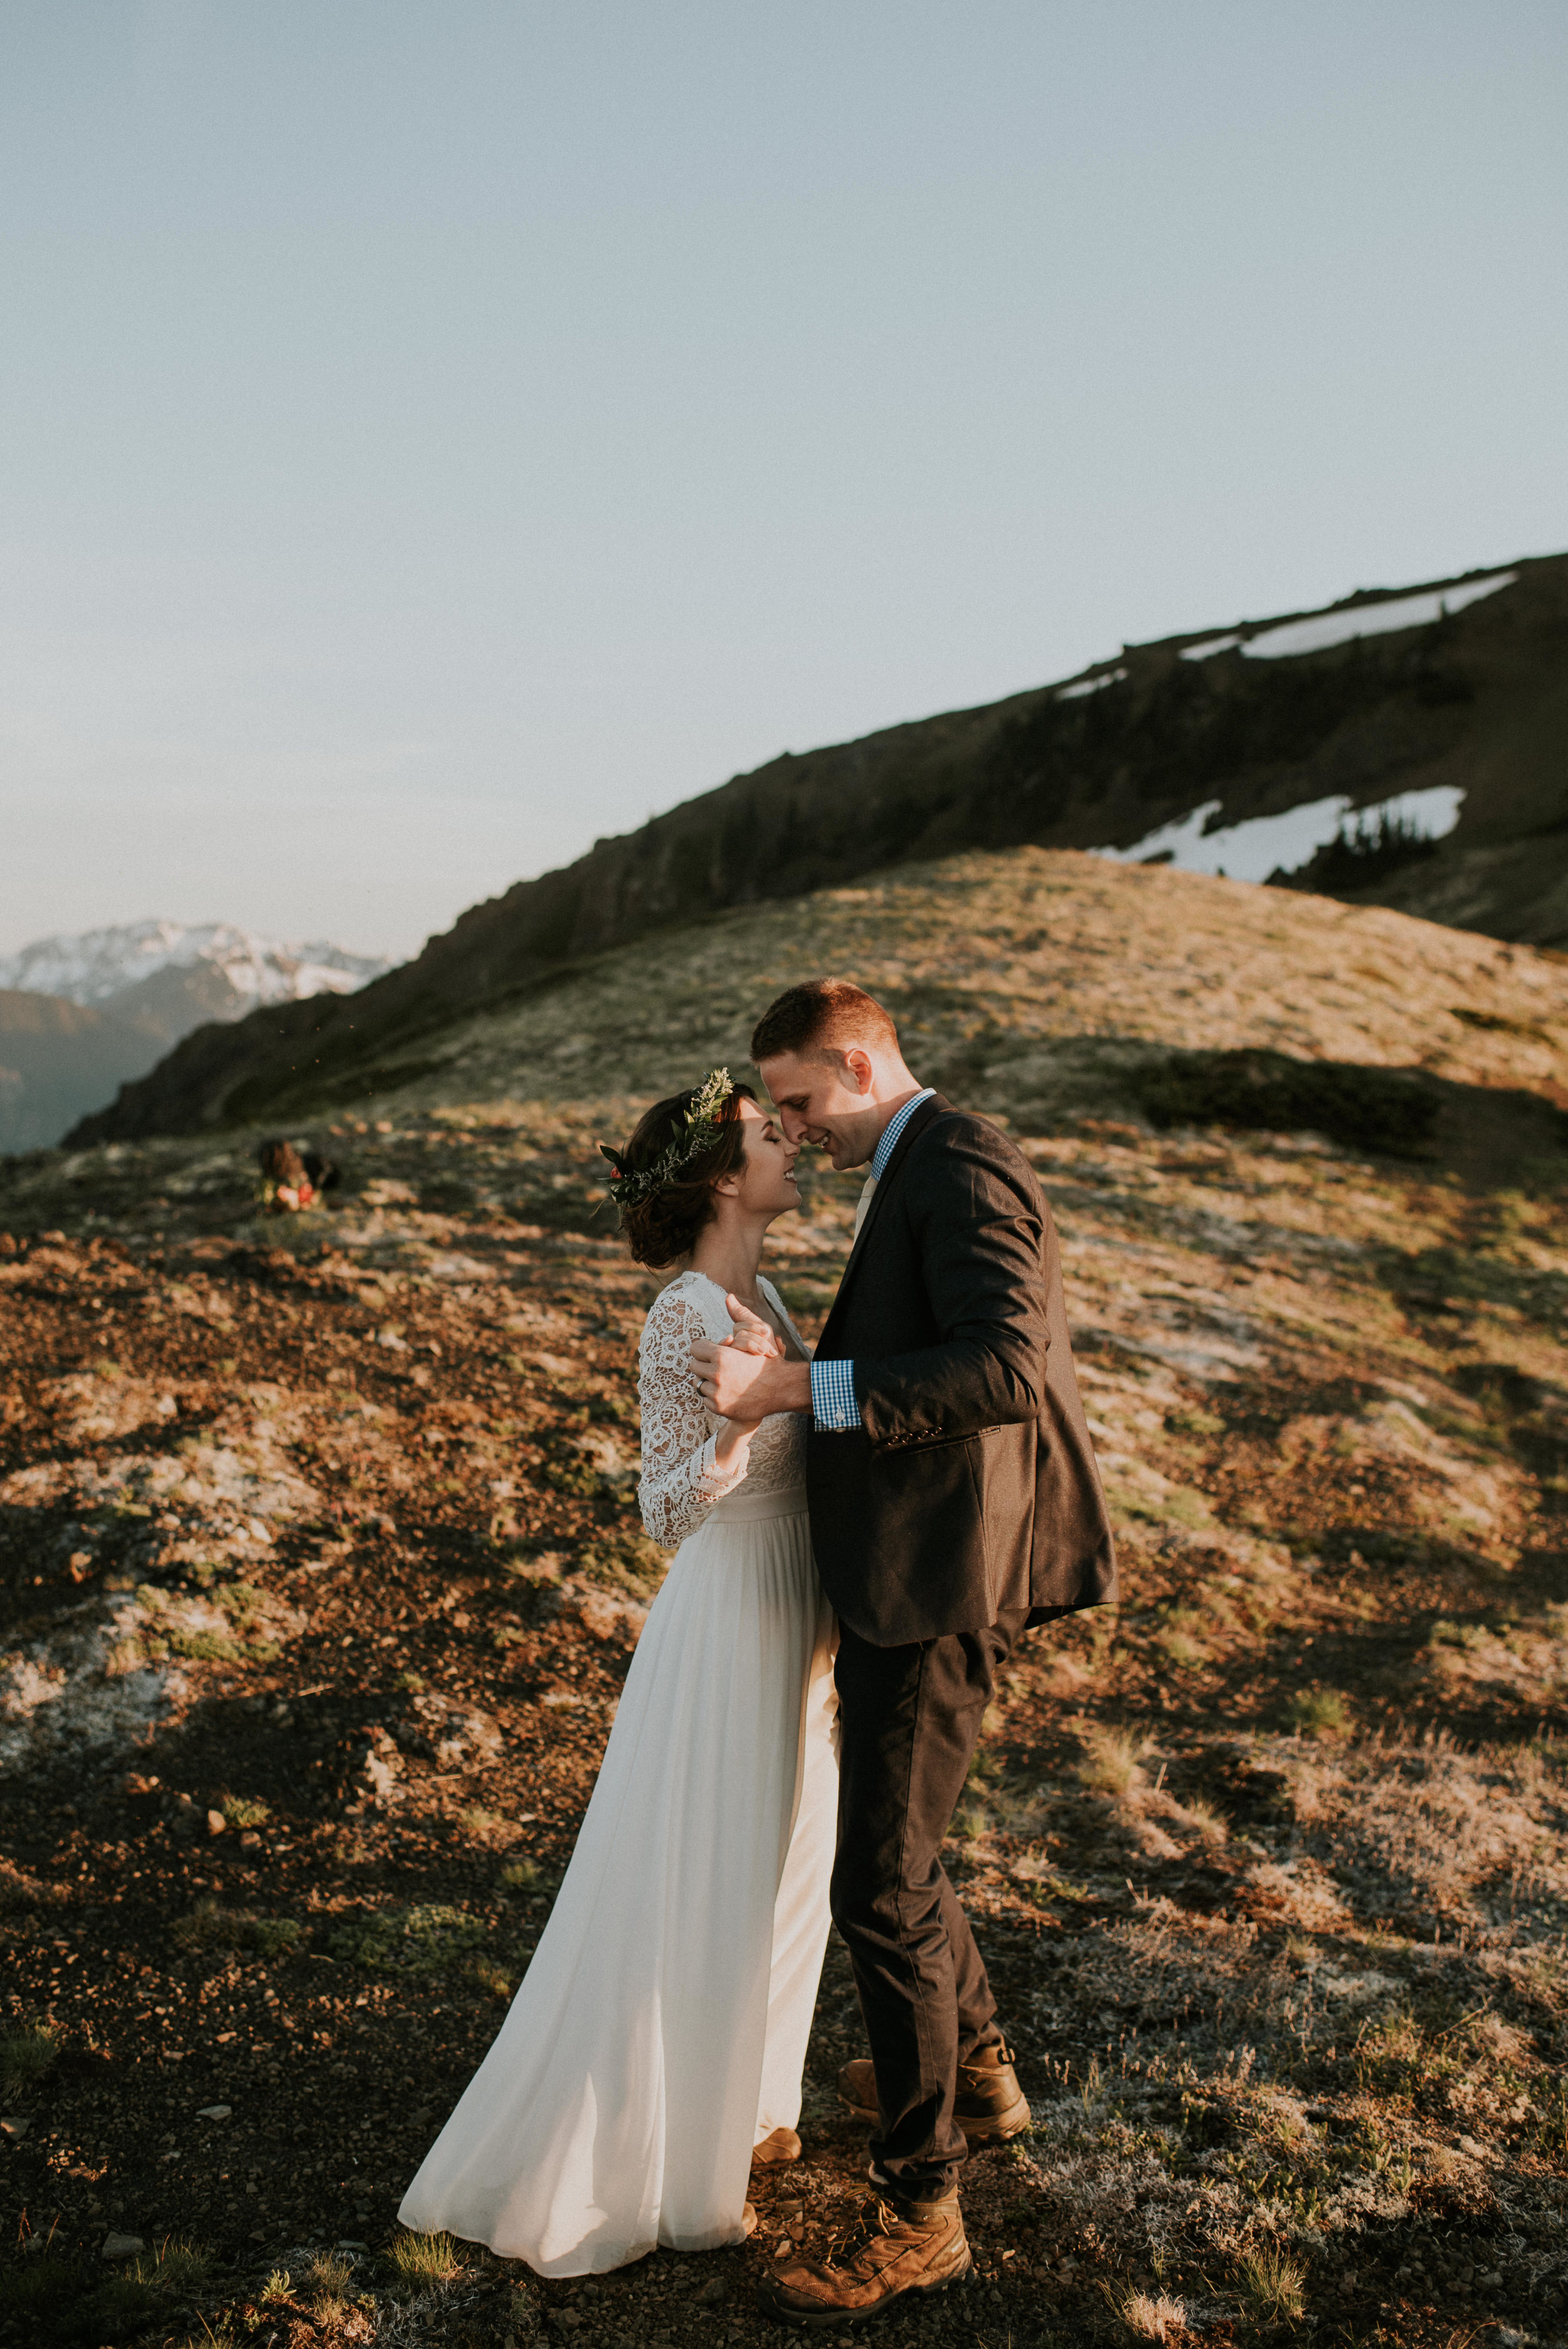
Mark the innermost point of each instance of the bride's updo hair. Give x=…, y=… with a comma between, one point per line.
x=662, y=1229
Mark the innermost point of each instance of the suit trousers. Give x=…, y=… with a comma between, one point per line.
x=908, y=1718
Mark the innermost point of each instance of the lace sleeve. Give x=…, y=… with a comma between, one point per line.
x=680, y=1482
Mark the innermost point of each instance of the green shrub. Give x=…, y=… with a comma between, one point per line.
x=425, y=1939
x=245, y=1810
x=210, y=1926
x=25, y=2056
x=1194, y=1423
x=39, y=2286
x=179, y=2264
x=1368, y=1108
x=208, y=1647
x=1320, y=1713
x=626, y=1562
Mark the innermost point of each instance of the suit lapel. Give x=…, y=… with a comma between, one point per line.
x=885, y=1184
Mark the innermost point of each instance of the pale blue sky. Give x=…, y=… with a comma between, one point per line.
x=436, y=435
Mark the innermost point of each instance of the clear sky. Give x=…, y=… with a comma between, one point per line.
x=435, y=435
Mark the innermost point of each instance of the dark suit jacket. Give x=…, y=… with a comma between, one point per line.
x=970, y=1485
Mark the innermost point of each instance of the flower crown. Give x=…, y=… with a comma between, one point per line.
x=699, y=1129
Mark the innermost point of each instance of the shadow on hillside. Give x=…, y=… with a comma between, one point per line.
x=1489, y=1137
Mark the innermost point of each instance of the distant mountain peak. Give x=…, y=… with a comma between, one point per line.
x=93, y=967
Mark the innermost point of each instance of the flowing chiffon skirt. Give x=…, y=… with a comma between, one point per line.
x=660, y=2031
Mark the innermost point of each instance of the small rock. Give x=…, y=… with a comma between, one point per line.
x=710, y=2295
x=15, y=2129
x=213, y=2112
x=216, y=1823
x=121, y=2246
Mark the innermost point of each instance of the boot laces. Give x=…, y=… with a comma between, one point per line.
x=876, y=2217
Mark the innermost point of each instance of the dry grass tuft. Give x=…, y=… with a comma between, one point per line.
x=1504, y=2043
x=425, y=2259
x=177, y=2262
x=1147, y=2316
x=1112, y=1759
x=221, y=2335
x=329, y=2280
x=1273, y=2283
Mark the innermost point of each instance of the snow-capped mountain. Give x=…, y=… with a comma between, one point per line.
x=81, y=1016
x=98, y=965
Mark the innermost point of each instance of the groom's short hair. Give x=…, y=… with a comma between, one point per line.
x=822, y=1014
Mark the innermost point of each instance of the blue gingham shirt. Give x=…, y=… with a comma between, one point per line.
x=834, y=1410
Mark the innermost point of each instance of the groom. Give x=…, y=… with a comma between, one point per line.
x=954, y=1501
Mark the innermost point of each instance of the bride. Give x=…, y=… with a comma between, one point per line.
x=655, y=2047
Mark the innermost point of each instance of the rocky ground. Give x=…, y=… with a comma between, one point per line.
x=323, y=1569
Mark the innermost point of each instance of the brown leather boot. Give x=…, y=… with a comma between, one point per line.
x=781, y=2145
x=895, y=2251
x=990, y=2106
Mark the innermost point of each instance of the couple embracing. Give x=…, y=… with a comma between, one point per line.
x=861, y=1536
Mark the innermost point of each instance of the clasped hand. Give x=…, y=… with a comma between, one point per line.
x=729, y=1370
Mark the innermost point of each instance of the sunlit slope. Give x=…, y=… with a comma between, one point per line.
x=1473, y=705
x=1029, y=982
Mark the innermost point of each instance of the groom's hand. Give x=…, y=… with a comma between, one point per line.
x=749, y=1375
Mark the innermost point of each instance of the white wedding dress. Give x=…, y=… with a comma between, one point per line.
x=660, y=2031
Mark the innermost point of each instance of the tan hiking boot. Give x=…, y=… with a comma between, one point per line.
x=990, y=2106
x=895, y=2251
x=783, y=2144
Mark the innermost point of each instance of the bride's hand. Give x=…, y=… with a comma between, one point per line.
x=752, y=1335
x=726, y=1368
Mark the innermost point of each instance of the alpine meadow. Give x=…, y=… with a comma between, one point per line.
x=324, y=1565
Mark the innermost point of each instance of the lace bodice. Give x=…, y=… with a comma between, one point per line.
x=679, y=1482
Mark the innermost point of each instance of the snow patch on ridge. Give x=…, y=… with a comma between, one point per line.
x=1269, y=843
x=1316, y=635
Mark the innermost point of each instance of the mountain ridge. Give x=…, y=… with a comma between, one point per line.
x=1475, y=701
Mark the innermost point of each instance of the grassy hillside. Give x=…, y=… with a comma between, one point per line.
x=323, y=1569
x=1478, y=701
x=1038, y=982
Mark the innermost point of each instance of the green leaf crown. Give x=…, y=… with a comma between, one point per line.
x=699, y=1130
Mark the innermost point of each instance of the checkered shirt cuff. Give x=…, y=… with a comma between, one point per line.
x=834, y=1410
